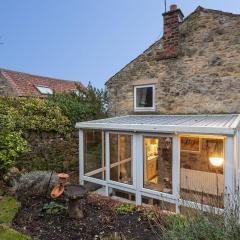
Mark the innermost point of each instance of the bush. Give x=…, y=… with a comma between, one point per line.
x=201, y=226
x=56, y=116
x=11, y=142
x=35, y=114
x=86, y=104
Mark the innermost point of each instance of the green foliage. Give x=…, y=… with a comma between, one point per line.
x=85, y=104
x=11, y=142
x=18, y=115
x=175, y=222
x=56, y=114
x=201, y=227
x=35, y=114
x=124, y=208
x=53, y=208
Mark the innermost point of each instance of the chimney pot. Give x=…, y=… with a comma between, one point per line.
x=173, y=7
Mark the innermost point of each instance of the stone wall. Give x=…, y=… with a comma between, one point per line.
x=50, y=151
x=203, y=78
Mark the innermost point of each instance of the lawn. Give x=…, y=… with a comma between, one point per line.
x=8, y=208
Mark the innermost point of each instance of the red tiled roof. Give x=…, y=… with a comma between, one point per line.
x=25, y=84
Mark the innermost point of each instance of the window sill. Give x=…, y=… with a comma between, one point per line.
x=144, y=110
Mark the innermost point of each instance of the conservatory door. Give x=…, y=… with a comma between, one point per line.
x=158, y=164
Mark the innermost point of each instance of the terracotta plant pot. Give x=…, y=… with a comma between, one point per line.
x=57, y=191
x=63, y=178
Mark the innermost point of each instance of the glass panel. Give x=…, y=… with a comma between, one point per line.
x=44, y=90
x=94, y=165
x=144, y=97
x=113, y=139
x=158, y=164
x=202, y=179
x=121, y=158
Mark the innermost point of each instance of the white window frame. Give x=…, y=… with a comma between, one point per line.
x=144, y=109
x=137, y=170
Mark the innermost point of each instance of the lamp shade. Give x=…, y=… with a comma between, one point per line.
x=216, y=161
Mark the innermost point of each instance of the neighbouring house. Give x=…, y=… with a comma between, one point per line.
x=20, y=84
x=174, y=133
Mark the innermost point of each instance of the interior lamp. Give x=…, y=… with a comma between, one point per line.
x=216, y=161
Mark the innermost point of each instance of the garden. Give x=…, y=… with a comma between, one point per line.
x=37, y=142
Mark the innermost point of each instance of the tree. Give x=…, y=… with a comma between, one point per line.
x=83, y=104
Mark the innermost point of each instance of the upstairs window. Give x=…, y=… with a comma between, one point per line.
x=144, y=98
x=44, y=90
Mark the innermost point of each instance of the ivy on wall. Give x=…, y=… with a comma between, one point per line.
x=56, y=115
x=11, y=142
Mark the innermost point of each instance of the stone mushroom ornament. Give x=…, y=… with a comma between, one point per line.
x=75, y=195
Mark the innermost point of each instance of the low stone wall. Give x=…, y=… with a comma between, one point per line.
x=50, y=151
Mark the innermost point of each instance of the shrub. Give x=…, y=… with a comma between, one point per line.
x=11, y=142
x=175, y=222
x=87, y=104
x=200, y=226
x=55, y=115
x=35, y=114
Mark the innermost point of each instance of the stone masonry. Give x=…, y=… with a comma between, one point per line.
x=203, y=77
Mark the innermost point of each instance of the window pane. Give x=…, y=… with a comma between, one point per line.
x=158, y=164
x=44, y=90
x=94, y=154
x=113, y=138
x=121, y=158
x=144, y=97
x=202, y=177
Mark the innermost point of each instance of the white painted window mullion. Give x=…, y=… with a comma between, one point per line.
x=81, y=157
x=229, y=171
x=138, y=166
x=176, y=170
x=107, y=161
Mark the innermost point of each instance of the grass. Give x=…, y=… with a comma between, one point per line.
x=8, y=209
x=7, y=233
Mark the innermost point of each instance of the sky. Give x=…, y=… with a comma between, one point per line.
x=84, y=40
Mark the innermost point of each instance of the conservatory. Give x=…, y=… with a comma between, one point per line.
x=178, y=161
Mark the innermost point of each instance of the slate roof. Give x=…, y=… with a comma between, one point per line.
x=24, y=84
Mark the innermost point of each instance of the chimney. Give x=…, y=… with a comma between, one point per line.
x=172, y=20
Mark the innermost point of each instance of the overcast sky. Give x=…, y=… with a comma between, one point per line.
x=84, y=40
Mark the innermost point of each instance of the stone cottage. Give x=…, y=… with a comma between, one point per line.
x=173, y=138
x=194, y=67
